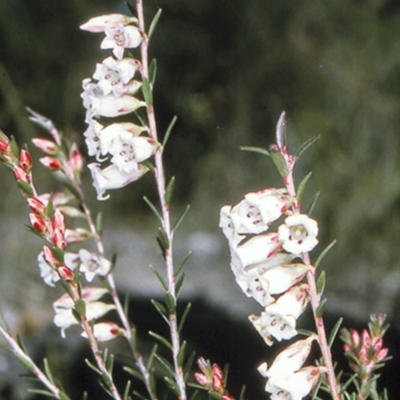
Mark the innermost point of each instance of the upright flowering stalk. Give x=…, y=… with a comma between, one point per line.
x=270, y=239
x=119, y=86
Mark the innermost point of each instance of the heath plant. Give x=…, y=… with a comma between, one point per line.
x=270, y=234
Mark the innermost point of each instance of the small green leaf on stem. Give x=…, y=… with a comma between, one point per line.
x=153, y=71
x=152, y=208
x=281, y=131
x=127, y=390
x=161, y=340
x=194, y=394
x=180, y=218
x=173, y=386
x=163, y=238
x=159, y=276
x=321, y=283
x=14, y=147
x=42, y=392
x=133, y=372
x=302, y=185
x=161, y=309
x=151, y=357
x=147, y=92
x=324, y=253
x=169, y=190
x=170, y=303
x=179, y=283
x=182, y=263
x=154, y=23
x=184, y=316
x=319, y=312
x=169, y=130
x=279, y=160
x=181, y=354
x=334, y=331
x=312, y=203
x=91, y=366
x=99, y=224
x=48, y=370
x=305, y=146
x=110, y=364
x=134, y=338
x=25, y=188
x=259, y=150
x=25, y=362
x=241, y=396
x=165, y=363
x=80, y=307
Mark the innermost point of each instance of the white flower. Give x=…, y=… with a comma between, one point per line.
x=114, y=76
x=89, y=295
x=257, y=249
x=105, y=331
x=113, y=178
x=92, y=265
x=274, y=261
x=278, y=320
x=120, y=37
x=103, y=22
x=295, y=386
x=298, y=234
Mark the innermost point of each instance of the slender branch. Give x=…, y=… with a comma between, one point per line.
x=166, y=225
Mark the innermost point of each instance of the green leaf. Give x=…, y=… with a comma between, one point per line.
x=42, y=392
x=182, y=263
x=241, y=396
x=173, y=386
x=194, y=394
x=159, y=276
x=319, y=312
x=63, y=396
x=133, y=372
x=181, y=354
x=152, y=207
x=99, y=224
x=302, y=185
x=179, y=283
x=91, y=366
x=324, y=253
x=161, y=309
x=162, y=236
x=321, y=283
x=58, y=253
x=161, y=339
x=126, y=304
x=25, y=188
x=48, y=370
x=347, y=384
x=312, y=203
x=147, y=92
x=165, y=363
x=154, y=23
x=25, y=362
x=305, y=146
x=334, y=331
x=134, y=338
x=110, y=364
x=170, y=303
x=127, y=390
x=14, y=147
x=259, y=150
x=151, y=357
x=180, y=218
x=169, y=190
x=279, y=161
x=80, y=307
x=137, y=394
x=184, y=316
x=188, y=365
x=169, y=130
x=153, y=71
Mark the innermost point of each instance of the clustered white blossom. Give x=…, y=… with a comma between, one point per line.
x=123, y=146
x=265, y=268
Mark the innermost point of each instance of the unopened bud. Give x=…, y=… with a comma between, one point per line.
x=25, y=160
x=20, y=174
x=38, y=223
x=65, y=273
x=36, y=205
x=52, y=163
x=47, y=146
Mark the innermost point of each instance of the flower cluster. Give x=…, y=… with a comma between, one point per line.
x=262, y=260
x=110, y=94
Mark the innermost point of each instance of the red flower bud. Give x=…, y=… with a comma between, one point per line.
x=36, y=205
x=20, y=174
x=25, y=160
x=49, y=257
x=59, y=239
x=52, y=163
x=47, y=146
x=38, y=223
x=75, y=158
x=65, y=273
x=4, y=147
x=58, y=221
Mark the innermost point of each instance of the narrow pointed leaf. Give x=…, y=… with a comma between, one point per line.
x=312, y=203
x=182, y=263
x=159, y=276
x=181, y=354
x=25, y=188
x=147, y=92
x=319, y=312
x=324, y=253
x=99, y=224
x=80, y=307
x=42, y=393
x=139, y=395
x=259, y=150
x=127, y=390
x=162, y=236
x=281, y=131
x=110, y=364
x=151, y=357
x=154, y=23
x=133, y=372
x=161, y=340
x=170, y=303
x=194, y=395
x=179, y=284
x=184, y=316
x=93, y=367
x=126, y=304
x=241, y=396
x=188, y=365
x=48, y=370
x=279, y=161
x=169, y=130
x=334, y=331
x=161, y=309
x=305, y=146
x=165, y=363
x=169, y=190
x=180, y=218
x=173, y=385
x=152, y=207
x=321, y=283
x=153, y=71
x=302, y=185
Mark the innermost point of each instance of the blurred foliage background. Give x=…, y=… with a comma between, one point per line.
x=227, y=69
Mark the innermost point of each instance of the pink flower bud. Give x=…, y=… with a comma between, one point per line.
x=366, y=339
x=25, y=160
x=65, y=273
x=77, y=235
x=50, y=258
x=381, y=354
x=38, y=223
x=218, y=384
x=75, y=158
x=217, y=371
x=103, y=22
x=58, y=221
x=355, y=338
x=47, y=146
x=59, y=239
x=4, y=147
x=202, y=379
x=20, y=174
x=52, y=163
x=36, y=205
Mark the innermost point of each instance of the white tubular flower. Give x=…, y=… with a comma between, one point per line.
x=298, y=234
x=103, y=22
x=93, y=264
x=77, y=235
x=295, y=386
x=288, y=360
x=278, y=320
x=112, y=178
x=254, y=287
x=114, y=76
x=89, y=295
x=120, y=37
x=225, y=223
x=105, y=331
x=258, y=249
